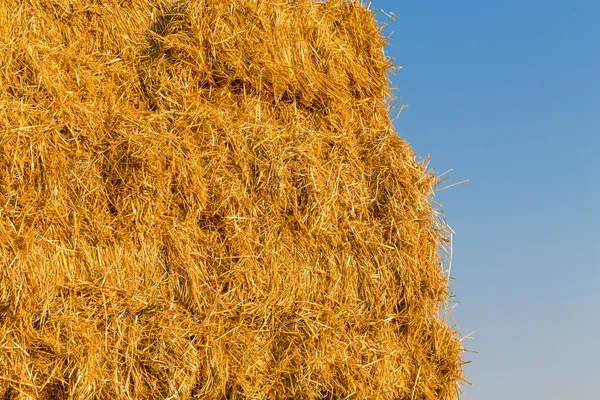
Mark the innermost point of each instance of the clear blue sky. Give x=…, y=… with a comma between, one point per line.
x=508, y=95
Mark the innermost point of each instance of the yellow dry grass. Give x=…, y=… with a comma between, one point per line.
x=207, y=199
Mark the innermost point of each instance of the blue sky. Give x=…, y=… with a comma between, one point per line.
x=508, y=95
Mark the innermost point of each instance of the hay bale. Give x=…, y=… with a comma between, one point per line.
x=206, y=199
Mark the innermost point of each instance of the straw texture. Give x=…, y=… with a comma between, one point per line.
x=207, y=199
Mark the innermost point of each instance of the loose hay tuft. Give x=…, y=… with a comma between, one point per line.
x=207, y=199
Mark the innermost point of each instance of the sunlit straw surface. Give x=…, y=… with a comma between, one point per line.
x=206, y=199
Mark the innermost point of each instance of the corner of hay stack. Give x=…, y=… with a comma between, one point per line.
x=206, y=199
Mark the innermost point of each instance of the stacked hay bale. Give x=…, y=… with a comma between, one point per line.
x=206, y=199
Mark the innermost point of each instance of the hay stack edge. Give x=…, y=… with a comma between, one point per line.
x=207, y=199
